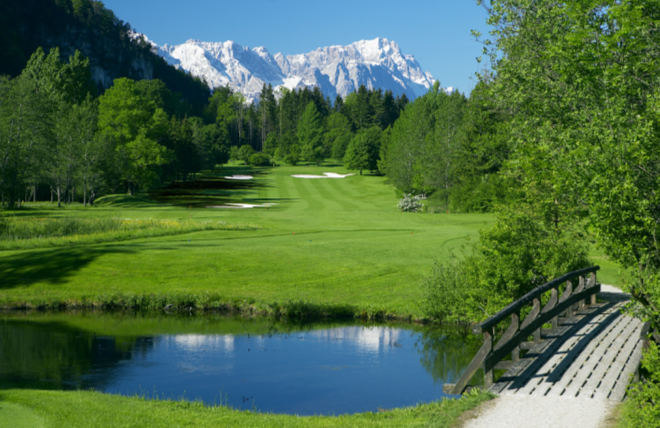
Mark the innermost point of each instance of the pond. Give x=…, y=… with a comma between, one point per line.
x=254, y=365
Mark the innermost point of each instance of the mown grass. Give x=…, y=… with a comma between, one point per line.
x=325, y=243
x=93, y=409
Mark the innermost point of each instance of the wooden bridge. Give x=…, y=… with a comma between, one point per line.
x=590, y=349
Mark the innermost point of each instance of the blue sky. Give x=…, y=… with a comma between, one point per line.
x=436, y=32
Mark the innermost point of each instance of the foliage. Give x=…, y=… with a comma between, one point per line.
x=88, y=26
x=133, y=123
x=337, y=136
x=518, y=254
x=362, y=152
x=448, y=147
x=310, y=135
x=243, y=153
x=259, y=159
x=582, y=81
x=411, y=203
x=641, y=409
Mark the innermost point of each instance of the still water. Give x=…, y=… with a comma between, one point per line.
x=264, y=367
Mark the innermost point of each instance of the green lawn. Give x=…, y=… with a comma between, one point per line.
x=86, y=409
x=326, y=241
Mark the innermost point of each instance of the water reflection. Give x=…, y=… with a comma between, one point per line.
x=285, y=369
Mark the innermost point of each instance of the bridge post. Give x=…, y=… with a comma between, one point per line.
x=488, y=371
x=568, y=291
x=592, y=282
x=515, y=325
x=554, y=297
x=536, y=307
x=581, y=286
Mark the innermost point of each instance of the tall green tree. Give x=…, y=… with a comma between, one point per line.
x=581, y=81
x=310, y=135
x=25, y=130
x=132, y=121
x=363, y=150
x=338, y=135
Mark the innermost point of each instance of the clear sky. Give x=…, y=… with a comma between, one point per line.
x=436, y=32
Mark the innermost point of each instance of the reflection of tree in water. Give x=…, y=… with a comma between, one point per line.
x=55, y=356
x=446, y=352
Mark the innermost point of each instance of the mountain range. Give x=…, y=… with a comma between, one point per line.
x=336, y=70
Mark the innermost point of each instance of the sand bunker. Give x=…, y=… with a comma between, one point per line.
x=242, y=206
x=239, y=177
x=325, y=175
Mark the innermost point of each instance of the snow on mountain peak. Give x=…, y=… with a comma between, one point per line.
x=337, y=70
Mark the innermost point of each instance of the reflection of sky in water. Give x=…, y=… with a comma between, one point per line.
x=336, y=370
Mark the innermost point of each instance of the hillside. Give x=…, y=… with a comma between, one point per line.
x=89, y=27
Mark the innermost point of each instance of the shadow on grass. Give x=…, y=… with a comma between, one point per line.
x=214, y=189
x=54, y=266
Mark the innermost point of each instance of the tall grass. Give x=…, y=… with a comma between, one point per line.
x=33, y=232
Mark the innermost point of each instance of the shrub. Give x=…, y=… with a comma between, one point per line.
x=518, y=254
x=244, y=152
x=259, y=159
x=642, y=408
x=411, y=203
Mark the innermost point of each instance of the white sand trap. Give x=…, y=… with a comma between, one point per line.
x=325, y=175
x=242, y=206
x=239, y=177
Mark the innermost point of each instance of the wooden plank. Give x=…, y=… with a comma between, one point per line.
x=583, y=366
x=560, y=353
x=555, y=359
x=622, y=365
x=618, y=390
x=614, y=356
x=526, y=379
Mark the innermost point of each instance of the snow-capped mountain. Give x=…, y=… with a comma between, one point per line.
x=336, y=70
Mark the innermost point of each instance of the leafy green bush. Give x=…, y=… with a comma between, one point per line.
x=518, y=254
x=642, y=408
x=259, y=159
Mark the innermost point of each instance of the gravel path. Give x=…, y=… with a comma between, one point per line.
x=513, y=411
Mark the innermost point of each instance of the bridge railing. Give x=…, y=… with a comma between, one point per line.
x=580, y=290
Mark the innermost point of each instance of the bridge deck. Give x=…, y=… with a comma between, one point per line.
x=589, y=356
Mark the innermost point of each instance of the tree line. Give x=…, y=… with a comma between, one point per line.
x=60, y=139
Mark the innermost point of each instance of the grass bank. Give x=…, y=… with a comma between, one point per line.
x=38, y=408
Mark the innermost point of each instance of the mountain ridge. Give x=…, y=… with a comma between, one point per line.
x=337, y=70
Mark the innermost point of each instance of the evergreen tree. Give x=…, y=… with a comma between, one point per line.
x=337, y=136
x=310, y=135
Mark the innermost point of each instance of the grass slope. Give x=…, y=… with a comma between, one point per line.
x=325, y=242
x=91, y=409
